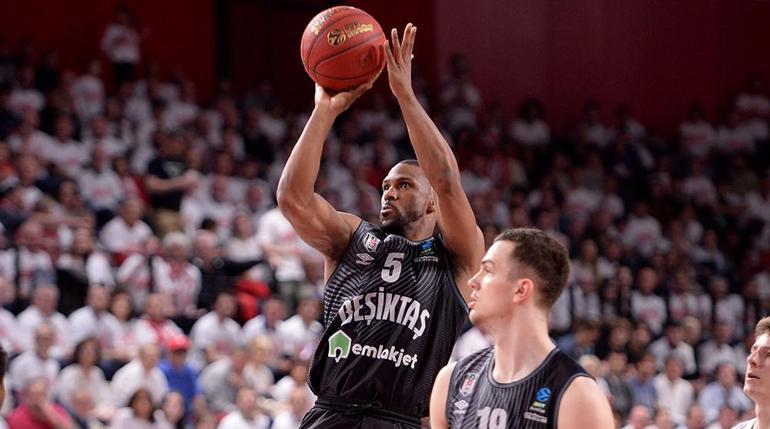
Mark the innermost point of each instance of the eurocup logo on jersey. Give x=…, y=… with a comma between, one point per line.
x=468, y=384
x=371, y=242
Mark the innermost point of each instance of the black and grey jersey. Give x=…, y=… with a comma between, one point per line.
x=392, y=313
x=476, y=401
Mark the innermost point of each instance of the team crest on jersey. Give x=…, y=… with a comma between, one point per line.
x=371, y=242
x=468, y=384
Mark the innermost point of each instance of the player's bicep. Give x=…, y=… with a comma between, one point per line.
x=438, y=398
x=321, y=226
x=584, y=405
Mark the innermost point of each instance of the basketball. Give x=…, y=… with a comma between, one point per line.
x=341, y=48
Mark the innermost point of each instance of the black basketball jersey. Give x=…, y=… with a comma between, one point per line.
x=476, y=401
x=392, y=313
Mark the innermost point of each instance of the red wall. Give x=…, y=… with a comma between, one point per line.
x=180, y=33
x=656, y=54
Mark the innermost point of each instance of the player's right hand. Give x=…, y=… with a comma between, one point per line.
x=340, y=102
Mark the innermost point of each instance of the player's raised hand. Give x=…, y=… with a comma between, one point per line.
x=341, y=101
x=398, y=55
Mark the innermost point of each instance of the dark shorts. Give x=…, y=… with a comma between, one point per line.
x=326, y=416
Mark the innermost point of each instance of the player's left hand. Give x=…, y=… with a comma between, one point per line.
x=398, y=55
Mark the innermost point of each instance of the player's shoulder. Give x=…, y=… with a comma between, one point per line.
x=583, y=401
x=749, y=424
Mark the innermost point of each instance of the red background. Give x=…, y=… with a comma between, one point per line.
x=657, y=55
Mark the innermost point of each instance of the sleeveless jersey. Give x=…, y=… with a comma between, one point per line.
x=392, y=313
x=476, y=401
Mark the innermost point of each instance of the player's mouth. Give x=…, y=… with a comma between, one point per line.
x=386, y=211
x=751, y=376
x=471, y=304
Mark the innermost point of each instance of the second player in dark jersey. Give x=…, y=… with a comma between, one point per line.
x=395, y=292
x=476, y=400
x=523, y=381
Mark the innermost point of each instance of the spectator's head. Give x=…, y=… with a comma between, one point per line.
x=177, y=347
x=299, y=373
x=225, y=304
x=274, y=311
x=149, y=354
x=692, y=330
x=206, y=245
x=727, y=417
x=525, y=268
x=663, y=419
x=696, y=418
x=261, y=350
x=645, y=368
x=82, y=242
x=36, y=395
x=172, y=146
x=121, y=306
x=722, y=332
x=408, y=201
x=100, y=158
x=674, y=333
x=242, y=227
x=587, y=332
x=45, y=336
x=141, y=405
x=718, y=286
x=592, y=365
x=246, y=401
x=673, y=367
x=100, y=127
x=176, y=246
x=173, y=407
x=132, y=210
x=724, y=374
x=647, y=280
x=87, y=353
x=156, y=306
x=45, y=298
x=639, y=417
x=309, y=309
x=299, y=402
x=31, y=235
x=616, y=362
x=757, y=385
x=238, y=359
x=218, y=188
x=255, y=196
x=63, y=127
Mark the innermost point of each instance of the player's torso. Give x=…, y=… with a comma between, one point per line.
x=392, y=313
x=476, y=401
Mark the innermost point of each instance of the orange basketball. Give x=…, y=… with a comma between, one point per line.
x=341, y=48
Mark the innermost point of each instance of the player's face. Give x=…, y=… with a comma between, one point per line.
x=492, y=286
x=405, y=195
x=757, y=385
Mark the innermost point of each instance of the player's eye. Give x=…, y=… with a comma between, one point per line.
x=385, y=187
x=405, y=185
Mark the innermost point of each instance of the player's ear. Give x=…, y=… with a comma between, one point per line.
x=524, y=289
x=432, y=203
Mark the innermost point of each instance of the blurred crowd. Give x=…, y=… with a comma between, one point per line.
x=148, y=281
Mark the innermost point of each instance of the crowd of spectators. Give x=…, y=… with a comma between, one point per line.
x=148, y=281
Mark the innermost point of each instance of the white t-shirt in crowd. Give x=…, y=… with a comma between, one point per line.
x=236, y=420
x=209, y=331
x=132, y=377
x=532, y=134
x=23, y=99
x=85, y=322
x=649, y=308
x=297, y=336
x=29, y=319
x=28, y=366
x=88, y=94
x=181, y=282
x=121, y=43
x=119, y=237
x=276, y=230
x=698, y=138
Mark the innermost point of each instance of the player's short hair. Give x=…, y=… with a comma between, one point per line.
x=414, y=162
x=763, y=327
x=545, y=256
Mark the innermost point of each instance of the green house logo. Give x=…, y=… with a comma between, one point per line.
x=339, y=346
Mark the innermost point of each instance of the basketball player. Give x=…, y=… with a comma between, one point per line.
x=757, y=385
x=392, y=305
x=523, y=380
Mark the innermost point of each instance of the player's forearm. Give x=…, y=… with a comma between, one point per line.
x=297, y=183
x=435, y=156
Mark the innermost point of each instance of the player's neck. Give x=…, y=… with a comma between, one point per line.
x=763, y=417
x=419, y=230
x=520, y=347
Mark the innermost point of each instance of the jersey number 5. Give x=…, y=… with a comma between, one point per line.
x=492, y=418
x=391, y=270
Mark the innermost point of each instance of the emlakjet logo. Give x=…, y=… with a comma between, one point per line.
x=340, y=347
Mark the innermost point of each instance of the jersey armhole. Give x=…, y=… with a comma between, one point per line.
x=455, y=288
x=563, y=391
